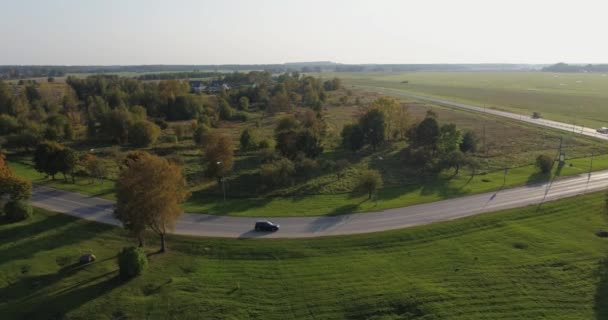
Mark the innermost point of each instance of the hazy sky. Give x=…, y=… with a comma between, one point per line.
x=77, y=32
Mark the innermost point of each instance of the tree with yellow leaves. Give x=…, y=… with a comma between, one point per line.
x=149, y=192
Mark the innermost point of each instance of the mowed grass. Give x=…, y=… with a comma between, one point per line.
x=442, y=187
x=581, y=99
x=530, y=263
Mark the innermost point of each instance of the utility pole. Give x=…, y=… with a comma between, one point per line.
x=591, y=164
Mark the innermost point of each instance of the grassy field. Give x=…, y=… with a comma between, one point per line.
x=526, y=263
x=570, y=98
x=436, y=188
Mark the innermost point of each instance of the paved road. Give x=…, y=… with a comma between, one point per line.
x=100, y=210
x=541, y=122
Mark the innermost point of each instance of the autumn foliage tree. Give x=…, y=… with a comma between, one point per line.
x=218, y=155
x=149, y=192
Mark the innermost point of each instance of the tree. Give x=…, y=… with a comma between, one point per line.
x=12, y=186
x=469, y=142
x=396, y=115
x=369, y=181
x=226, y=112
x=544, y=163
x=278, y=173
x=8, y=124
x=426, y=134
x=68, y=159
x=248, y=139
x=149, y=191
x=143, y=133
x=244, y=103
x=373, y=125
x=200, y=133
x=450, y=138
x=132, y=262
x=353, y=137
x=47, y=158
x=218, y=155
x=453, y=159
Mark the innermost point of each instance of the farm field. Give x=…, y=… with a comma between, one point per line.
x=525, y=263
x=576, y=98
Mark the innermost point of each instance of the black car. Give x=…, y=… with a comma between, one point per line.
x=265, y=225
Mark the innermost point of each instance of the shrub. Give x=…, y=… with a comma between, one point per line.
x=132, y=262
x=544, y=163
x=199, y=134
x=536, y=115
x=306, y=167
x=248, y=140
x=278, y=173
x=17, y=211
x=170, y=138
x=143, y=133
x=266, y=144
x=369, y=181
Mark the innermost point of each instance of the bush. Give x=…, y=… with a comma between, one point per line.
x=278, y=173
x=369, y=181
x=143, y=133
x=199, y=134
x=132, y=262
x=17, y=211
x=266, y=144
x=544, y=163
x=536, y=115
x=248, y=140
x=170, y=138
x=306, y=167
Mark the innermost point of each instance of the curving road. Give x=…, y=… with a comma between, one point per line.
x=100, y=210
x=516, y=116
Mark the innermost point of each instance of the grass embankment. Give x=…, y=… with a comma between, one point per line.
x=525, y=263
x=578, y=98
x=439, y=188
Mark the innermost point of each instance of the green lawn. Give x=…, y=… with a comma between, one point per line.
x=526, y=263
x=571, y=98
x=438, y=188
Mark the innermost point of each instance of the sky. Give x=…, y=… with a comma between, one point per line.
x=135, y=32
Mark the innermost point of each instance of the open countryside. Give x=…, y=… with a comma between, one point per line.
x=378, y=160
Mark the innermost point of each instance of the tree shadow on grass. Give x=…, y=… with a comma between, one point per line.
x=58, y=304
x=28, y=241
x=600, y=307
x=538, y=178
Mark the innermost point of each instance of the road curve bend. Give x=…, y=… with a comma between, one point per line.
x=100, y=210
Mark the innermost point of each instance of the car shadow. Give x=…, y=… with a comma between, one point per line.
x=252, y=234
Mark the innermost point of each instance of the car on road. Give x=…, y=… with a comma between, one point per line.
x=603, y=130
x=265, y=225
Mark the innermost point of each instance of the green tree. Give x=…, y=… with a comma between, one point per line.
x=469, y=142
x=143, y=133
x=132, y=262
x=450, y=138
x=369, y=181
x=373, y=125
x=248, y=139
x=200, y=133
x=244, y=103
x=426, y=134
x=8, y=124
x=353, y=137
x=48, y=158
x=544, y=163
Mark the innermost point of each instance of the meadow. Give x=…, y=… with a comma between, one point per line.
x=510, y=144
x=575, y=98
x=529, y=263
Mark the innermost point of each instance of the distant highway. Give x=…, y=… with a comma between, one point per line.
x=100, y=210
x=541, y=122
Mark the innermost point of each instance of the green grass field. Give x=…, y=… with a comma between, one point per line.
x=526, y=263
x=570, y=98
x=438, y=188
